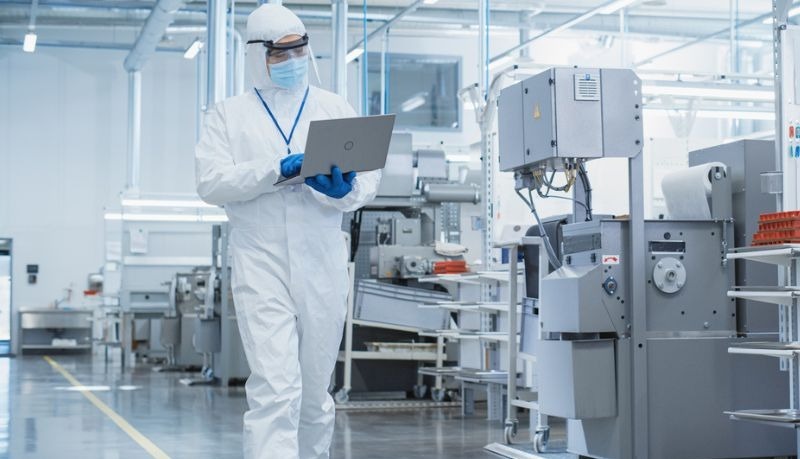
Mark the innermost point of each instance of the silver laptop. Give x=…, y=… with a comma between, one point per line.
x=354, y=144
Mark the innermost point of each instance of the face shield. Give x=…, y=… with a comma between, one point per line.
x=282, y=52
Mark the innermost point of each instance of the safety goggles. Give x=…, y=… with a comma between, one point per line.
x=279, y=52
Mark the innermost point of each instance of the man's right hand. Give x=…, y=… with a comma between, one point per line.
x=291, y=164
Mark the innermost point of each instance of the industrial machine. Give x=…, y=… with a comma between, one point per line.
x=187, y=293
x=215, y=334
x=415, y=218
x=634, y=322
x=410, y=229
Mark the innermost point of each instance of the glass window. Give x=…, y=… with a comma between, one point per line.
x=421, y=89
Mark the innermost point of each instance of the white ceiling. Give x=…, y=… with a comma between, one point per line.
x=704, y=8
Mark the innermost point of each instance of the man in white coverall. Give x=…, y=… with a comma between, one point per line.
x=290, y=278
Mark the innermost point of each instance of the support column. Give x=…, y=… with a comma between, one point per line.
x=134, y=130
x=339, y=51
x=215, y=89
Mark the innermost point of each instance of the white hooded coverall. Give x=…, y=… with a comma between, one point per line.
x=289, y=266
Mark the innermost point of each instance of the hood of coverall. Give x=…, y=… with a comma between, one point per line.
x=268, y=22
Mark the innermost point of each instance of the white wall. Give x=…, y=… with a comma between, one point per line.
x=63, y=121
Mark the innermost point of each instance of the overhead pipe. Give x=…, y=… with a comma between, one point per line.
x=231, y=64
x=153, y=30
x=364, y=64
x=525, y=33
x=34, y=11
x=215, y=83
x=701, y=39
x=339, y=51
x=238, y=62
x=392, y=21
x=660, y=26
x=84, y=45
x=560, y=28
x=146, y=43
x=134, y=130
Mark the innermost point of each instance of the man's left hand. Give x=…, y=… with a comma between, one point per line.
x=335, y=185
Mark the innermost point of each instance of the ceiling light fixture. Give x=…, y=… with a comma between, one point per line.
x=29, y=43
x=193, y=50
x=354, y=54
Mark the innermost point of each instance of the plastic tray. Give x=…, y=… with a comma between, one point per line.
x=779, y=216
x=784, y=236
x=779, y=225
x=450, y=267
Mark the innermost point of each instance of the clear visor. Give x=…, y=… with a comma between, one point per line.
x=276, y=56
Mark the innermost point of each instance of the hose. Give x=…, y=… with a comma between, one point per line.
x=587, y=189
x=551, y=254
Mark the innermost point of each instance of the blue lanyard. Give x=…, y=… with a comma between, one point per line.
x=288, y=140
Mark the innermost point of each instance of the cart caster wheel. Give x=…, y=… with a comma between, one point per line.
x=420, y=390
x=341, y=396
x=438, y=395
x=540, y=442
x=509, y=433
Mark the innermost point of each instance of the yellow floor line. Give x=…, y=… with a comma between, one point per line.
x=143, y=441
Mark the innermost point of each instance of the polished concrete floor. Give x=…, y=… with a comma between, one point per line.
x=42, y=416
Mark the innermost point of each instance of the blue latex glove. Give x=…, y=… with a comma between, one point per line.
x=290, y=165
x=336, y=185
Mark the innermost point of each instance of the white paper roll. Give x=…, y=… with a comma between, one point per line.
x=687, y=192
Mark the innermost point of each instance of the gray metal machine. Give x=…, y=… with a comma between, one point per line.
x=634, y=319
x=187, y=292
x=200, y=327
x=417, y=206
x=413, y=223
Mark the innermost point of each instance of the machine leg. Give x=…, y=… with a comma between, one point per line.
x=207, y=376
x=542, y=434
x=125, y=339
x=420, y=389
x=468, y=402
x=511, y=422
x=494, y=401
x=439, y=359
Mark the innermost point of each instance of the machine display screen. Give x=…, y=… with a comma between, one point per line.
x=668, y=246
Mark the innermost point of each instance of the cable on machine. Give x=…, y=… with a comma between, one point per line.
x=587, y=189
x=551, y=254
x=355, y=233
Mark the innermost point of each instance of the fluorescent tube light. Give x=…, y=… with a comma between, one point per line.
x=413, y=103
x=193, y=49
x=728, y=114
x=193, y=204
x=429, y=2
x=128, y=217
x=29, y=43
x=683, y=90
x=353, y=55
x=737, y=115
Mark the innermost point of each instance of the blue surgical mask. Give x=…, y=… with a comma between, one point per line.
x=290, y=73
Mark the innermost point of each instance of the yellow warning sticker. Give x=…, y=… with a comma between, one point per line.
x=536, y=112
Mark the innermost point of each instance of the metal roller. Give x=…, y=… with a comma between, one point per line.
x=444, y=192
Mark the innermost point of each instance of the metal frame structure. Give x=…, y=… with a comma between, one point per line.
x=786, y=257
